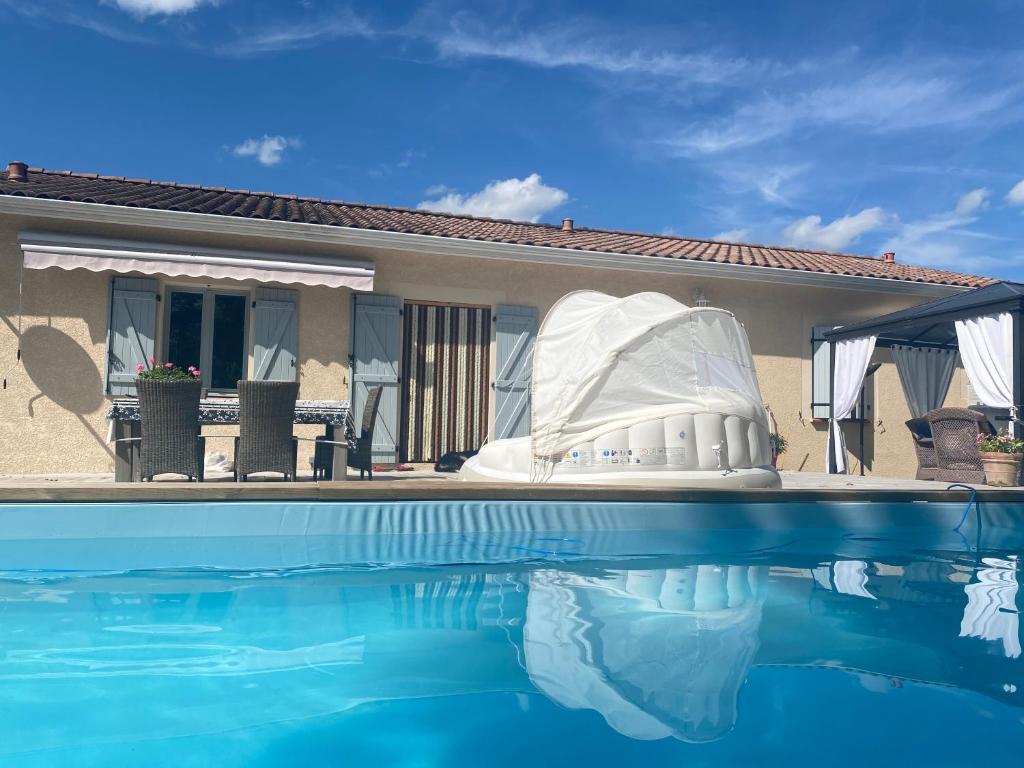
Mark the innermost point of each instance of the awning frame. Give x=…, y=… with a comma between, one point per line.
x=65, y=251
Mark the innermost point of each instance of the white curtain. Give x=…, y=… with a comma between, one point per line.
x=925, y=375
x=986, y=347
x=851, y=578
x=991, y=611
x=851, y=363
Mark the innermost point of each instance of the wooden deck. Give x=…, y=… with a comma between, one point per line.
x=424, y=489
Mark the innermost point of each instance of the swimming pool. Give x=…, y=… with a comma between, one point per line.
x=472, y=642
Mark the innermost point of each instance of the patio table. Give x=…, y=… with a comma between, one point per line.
x=126, y=424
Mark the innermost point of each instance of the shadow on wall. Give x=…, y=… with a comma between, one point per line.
x=62, y=370
x=64, y=373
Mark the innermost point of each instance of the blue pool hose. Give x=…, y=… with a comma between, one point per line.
x=970, y=502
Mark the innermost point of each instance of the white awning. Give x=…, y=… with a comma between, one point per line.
x=42, y=251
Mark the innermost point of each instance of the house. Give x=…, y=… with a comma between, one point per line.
x=100, y=273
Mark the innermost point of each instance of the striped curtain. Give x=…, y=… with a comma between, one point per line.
x=456, y=603
x=445, y=385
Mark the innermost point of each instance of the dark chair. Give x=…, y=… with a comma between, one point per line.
x=266, y=415
x=955, y=436
x=921, y=431
x=171, y=443
x=362, y=457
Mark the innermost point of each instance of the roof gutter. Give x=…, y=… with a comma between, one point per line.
x=68, y=210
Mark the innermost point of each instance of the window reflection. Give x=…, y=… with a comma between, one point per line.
x=185, y=329
x=228, y=360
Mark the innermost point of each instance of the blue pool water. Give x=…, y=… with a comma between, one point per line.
x=569, y=647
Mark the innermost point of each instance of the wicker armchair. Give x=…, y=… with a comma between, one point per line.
x=266, y=415
x=924, y=445
x=362, y=457
x=171, y=442
x=955, y=436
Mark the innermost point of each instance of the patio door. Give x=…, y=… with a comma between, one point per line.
x=445, y=388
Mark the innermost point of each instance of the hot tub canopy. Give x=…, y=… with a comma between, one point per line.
x=603, y=363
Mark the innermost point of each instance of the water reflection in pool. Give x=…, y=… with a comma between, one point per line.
x=717, y=659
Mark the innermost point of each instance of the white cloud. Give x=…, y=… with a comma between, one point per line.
x=577, y=44
x=836, y=235
x=733, y=235
x=520, y=199
x=289, y=36
x=1016, y=195
x=407, y=158
x=971, y=201
x=143, y=8
x=267, y=150
x=886, y=100
x=942, y=240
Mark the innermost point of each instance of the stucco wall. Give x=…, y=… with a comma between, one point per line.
x=52, y=414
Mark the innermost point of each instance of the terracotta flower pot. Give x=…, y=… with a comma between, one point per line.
x=1001, y=468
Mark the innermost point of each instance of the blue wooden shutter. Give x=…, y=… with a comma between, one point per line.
x=516, y=331
x=375, y=347
x=276, y=335
x=821, y=372
x=132, y=332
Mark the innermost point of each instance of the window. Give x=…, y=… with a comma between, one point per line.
x=821, y=375
x=207, y=329
x=725, y=373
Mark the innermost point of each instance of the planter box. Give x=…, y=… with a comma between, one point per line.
x=1001, y=469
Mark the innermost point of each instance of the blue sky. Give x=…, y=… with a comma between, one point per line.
x=860, y=126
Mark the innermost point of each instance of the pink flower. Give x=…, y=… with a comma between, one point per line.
x=195, y=371
x=152, y=361
x=168, y=365
x=140, y=368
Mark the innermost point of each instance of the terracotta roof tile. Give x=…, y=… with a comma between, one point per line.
x=194, y=198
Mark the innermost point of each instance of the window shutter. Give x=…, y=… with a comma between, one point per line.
x=132, y=331
x=515, y=334
x=821, y=372
x=375, y=348
x=276, y=335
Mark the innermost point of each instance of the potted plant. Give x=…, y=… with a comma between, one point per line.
x=1000, y=456
x=158, y=371
x=779, y=445
x=169, y=420
x=162, y=377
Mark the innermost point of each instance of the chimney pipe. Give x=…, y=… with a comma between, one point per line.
x=567, y=225
x=889, y=257
x=17, y=171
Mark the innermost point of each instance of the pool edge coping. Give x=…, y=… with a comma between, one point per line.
x=406, y=491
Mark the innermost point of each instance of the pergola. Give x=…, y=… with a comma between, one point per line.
x=985, y=319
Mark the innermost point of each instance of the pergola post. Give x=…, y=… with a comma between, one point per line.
x=1018, y=367
x=830, y=457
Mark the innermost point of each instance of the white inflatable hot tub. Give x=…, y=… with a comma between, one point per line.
x=638, y=391
x=703, y=450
